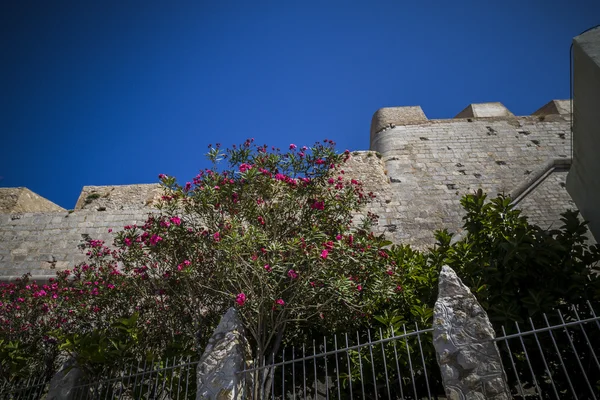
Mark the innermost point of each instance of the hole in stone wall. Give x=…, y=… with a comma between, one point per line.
x=477, y=176
x=501, y=162
x=527, y=172
x=526, y=133
x=459, y=165
x=423, y=138
x=536, y=142
x=451, y=186
x=563, y=185
x=463, y=171
x=561, y=135
x=491, y=131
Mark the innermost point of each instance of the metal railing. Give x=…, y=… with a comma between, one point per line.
x=557, y=359
x=392, y=365
x=166, y=380
x=553, y=358
x=31, y=388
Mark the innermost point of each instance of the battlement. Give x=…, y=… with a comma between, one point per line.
x=417, y=168
x=390, y=117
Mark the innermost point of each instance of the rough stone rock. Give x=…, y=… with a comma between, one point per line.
x=223, y=358
x=462, y=335
x=63, y=383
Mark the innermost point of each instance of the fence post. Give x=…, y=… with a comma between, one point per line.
x=469, y=360
x=224, y=357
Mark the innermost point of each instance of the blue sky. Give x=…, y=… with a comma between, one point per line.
x=116, y=92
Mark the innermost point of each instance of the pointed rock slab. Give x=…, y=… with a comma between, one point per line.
x=462, y=335
x=224, y=357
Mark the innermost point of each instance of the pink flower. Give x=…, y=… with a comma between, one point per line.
x=292, y=146
x=155, y=239
x=268, y=268
x=109, y=230
x=338, y=237
x=217, y=236
x=328, y=245
x=261, y=220
x=176, y=220
x=280, y=302
x=245, y=167
x=318, y=205
x=292, y=274
x=318, y=161
x=240, y=299
x=127, y=242
x=359, y=287
x=324, y=254
x=161, y=176
x=186, y=262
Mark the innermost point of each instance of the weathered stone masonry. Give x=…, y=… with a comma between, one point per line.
x=418, y=168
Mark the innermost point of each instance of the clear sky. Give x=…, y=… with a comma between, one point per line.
x=115, y=92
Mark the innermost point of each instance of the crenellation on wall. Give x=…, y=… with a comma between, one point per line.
x=484, y=110
x=22, y=200
x=119, y=197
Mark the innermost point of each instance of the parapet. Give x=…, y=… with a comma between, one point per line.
x=555, y=107
x=118, y=197
x=388, y=117
x=485, y=110
x=23, y=200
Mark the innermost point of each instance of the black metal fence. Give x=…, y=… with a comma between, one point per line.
x=554, y=358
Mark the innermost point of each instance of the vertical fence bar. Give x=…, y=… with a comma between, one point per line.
x=576, y=355
x=412, y=372
x=337, y=366
x=564, y=368
x=283, y=373
x=349, y=369
x=372, y=363
x=587, y=339
x=273, y=376
x=512, y=361
x=315, y=365
x=423, y=360
x=304, y=368
x=187, y=377
x=362, y=379
x=593, y=313
x=294, y=371
x=326, y=373
x=397, y=364
x=539, y=392
x=387, y=382
x=537, y=340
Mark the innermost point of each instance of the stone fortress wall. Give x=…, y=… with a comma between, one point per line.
x=418, y=168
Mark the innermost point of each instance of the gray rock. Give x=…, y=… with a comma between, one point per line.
x=63, y=384
x=223, y=358
x=462, y=335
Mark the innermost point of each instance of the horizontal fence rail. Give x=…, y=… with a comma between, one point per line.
x=368, y=366
x=556, y=358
